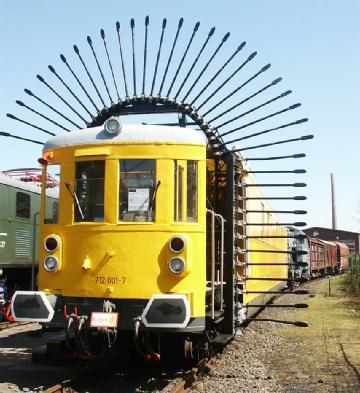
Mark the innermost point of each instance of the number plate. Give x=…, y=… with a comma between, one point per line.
x=104, y=319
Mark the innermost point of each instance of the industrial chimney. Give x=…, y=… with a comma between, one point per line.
x=333, y=207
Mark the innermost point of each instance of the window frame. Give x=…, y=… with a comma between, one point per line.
x=28, y=197
x=136, y=213
x=74, y=189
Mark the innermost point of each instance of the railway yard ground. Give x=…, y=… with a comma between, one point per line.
x=265, y=357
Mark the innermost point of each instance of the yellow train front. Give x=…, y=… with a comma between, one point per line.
x=150, y=240
x=130, y=233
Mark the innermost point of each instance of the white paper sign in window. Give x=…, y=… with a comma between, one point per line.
x=138, y=199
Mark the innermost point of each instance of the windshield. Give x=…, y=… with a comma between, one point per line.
x=89, y=191
x=137, y=190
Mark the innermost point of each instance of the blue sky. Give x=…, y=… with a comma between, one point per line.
x=312, y=44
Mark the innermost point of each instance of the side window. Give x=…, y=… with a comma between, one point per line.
x=22, y=205
x=192, y=191
x=89, y=191
x=137, y=196
x=52, y=188
x=185, y=191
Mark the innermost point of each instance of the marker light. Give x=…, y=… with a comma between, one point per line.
x=51, y=243
x=112, y=126
x=177, y=244
x=51, y=264
x=176, y=265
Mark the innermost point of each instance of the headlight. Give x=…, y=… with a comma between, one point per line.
x=177, y=244
x=51, y=264
x=112, y=126
x=51, y=243
x=176, y=265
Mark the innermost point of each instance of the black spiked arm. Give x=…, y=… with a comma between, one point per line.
x=176, y=70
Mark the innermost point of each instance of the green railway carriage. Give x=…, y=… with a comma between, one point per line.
x=19, y=208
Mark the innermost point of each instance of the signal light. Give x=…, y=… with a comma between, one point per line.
x=51, y=243
x=177, y=244
x=51, y=264
x=176, y=265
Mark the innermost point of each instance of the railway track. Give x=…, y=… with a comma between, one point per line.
x=171, y=383
x=177, y=383
x=8, y=325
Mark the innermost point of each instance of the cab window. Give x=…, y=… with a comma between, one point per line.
x=89, y=191
x=137, y=190
x=185, y=191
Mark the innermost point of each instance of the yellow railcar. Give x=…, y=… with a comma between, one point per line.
x=161, y=230
x=138, y=245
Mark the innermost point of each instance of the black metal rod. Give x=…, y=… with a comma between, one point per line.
x=196, y=28
x=224, y=39
x=295, y=224
x=181, y=21
x=277, y=211
x=6, y=134
x=163, y=27
x=267, y=131
x=227, y=62
x=261, y=119
x=273, y=185
x=298, y=305
x=278, y=251
x=63, y=58
x=238, y=88
x=41, y=79
x=195, y=61
x=270, y=279
x=273, y=83
x=295, y=198
x=122, y=60
x=225, y=82
x=254, y=109
x=300, y=155
x=296, y=323
x=41, y=115
x=275, y=264
x=89, y=40
x=297, y=171
x=52, y=69
x=296, y=292
x=132, y=25
x=9, y=115
x=102, y=33
x=76, y=49
x=31, y=94
x=275, y=237
x=302, y=138
x=145, y=54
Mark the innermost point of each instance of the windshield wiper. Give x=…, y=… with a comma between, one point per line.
x=154, y=196
x=76, y=200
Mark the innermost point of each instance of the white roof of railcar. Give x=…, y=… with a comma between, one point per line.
x=130, y=133
x=26, y=186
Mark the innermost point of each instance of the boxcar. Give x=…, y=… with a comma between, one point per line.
x=317, y=257
x=330, y=253
x=342, y=254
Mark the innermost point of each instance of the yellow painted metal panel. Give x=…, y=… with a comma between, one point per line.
x=128, y=260
x=94, y=151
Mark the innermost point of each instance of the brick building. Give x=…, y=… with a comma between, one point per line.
x=351, y=239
